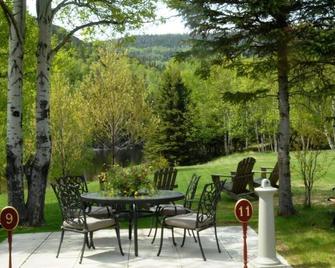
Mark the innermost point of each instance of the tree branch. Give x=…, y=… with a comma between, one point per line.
x=72, y=32
x=62, y=4
x=11, y=20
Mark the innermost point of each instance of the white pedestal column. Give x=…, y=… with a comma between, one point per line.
x=267, y=256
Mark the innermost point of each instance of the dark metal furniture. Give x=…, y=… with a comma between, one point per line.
x=160, y=197
x=204, y=218
x=241, y=181
x=165, y=210
x=75, y=218
x=80, y=182
x=165, y=178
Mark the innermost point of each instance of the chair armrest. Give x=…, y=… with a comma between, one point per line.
x=260, y=171
x=221, y=175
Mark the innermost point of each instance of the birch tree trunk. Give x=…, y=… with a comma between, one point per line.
x=285, y=195
x=329, y=138
x=275, y=142
x=41, y=163
x=257, y=137
x=14, y=146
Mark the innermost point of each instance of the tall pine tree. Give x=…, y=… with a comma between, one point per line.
x=271, y=32
x=172, y=108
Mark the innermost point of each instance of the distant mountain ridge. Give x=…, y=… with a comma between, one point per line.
x=152, y=50
x=156, y=50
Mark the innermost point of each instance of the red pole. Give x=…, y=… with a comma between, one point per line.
x=10, y=248
x=245, y=250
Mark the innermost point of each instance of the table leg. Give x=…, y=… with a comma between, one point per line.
x=135, y=229
x=130, y=224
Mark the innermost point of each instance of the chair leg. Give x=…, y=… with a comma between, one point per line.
x=83, y=248
x=195, y=239
x=202, y=251
x=91, y=241
x=60, y=243
x=151, y=225
x=216, y=238
x=184, y=237
x=117, y=230
x=161, y=243
x=173, y=240
x=87, y=241
x=189, y=233
x=156, y=227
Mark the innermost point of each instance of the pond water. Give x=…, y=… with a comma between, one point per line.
x=129, y=155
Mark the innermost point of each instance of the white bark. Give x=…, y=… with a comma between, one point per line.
x=43, y=140
x=14, y=109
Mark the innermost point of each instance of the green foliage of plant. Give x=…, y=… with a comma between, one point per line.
x=118, y=92
x=173, y=100
x=70, y=129
x=131, y=181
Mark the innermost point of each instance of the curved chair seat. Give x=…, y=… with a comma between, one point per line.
x=74, y=213
x=92, y=224
x=204, y=218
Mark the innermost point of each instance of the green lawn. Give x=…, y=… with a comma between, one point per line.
x=305, y=240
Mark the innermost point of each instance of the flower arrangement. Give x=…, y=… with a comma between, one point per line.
x=131, y=181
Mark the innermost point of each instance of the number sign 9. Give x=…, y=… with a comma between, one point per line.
x=9, y=218
x=243, y=210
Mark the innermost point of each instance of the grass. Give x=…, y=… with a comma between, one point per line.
x=305, y=240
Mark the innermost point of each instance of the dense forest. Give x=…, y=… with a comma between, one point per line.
x=256, y=77
x=211, y=124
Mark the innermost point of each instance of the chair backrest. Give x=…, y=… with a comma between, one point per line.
x=165, y=179
x=69, y=200
x=274, y=176
x=191, y=190
x=243, y=175
x=206, y=214
x=245, y=166
x=240, y=183
x=74, y=181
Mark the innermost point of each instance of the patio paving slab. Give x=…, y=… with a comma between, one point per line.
x=39, y=250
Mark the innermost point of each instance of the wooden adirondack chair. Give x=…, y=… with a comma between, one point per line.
x=273, y=176
x=241, y=181
x=165, y=179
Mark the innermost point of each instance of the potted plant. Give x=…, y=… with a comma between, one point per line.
x=130, y=181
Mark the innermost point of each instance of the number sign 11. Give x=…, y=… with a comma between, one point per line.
x=243, y=212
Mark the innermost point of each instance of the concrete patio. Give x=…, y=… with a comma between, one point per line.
x=39, y=250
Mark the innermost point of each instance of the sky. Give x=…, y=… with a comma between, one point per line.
x=174, y=23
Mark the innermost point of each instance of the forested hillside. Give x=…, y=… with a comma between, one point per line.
x=155, y=50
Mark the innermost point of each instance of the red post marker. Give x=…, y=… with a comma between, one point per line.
x=9, y=219
x=243, y=212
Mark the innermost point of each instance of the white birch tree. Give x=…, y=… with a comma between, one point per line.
x=81, y=14
x=14, y=143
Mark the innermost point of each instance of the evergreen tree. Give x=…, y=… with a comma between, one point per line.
x=272, y=32
x=172, y=108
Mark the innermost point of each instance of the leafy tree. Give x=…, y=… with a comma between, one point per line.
x=70, y=128
x=121, y=16
x=116, y=97
x=270, y=32
x=172, y=108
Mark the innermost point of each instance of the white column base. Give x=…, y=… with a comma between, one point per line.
x=262, y=262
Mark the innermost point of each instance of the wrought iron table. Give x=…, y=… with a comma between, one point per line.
x=160, y=197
